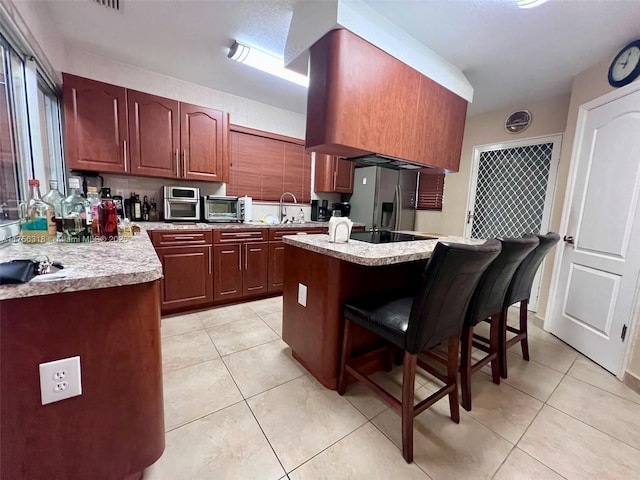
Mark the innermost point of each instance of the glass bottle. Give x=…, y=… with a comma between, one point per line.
x=74, y=215
x=54, y=197
x=108, y=217
x=301, y=216
x=37, y=224
x=93, y=215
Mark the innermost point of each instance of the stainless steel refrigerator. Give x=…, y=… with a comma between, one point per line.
x=384, y=198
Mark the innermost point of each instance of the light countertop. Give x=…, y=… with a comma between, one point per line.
x=372, y=254
x=87, y=266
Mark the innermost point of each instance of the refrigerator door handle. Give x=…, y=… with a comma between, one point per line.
x=398, y=207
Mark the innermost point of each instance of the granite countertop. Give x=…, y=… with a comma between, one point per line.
x=222, y=225
x=371, y=254
x=87, y=266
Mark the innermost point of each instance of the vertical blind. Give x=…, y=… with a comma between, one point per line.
x=430, y=191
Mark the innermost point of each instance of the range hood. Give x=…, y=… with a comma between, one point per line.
x=386, y=161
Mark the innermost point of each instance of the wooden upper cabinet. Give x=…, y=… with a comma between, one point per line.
x=95, y=125
x=154, y=135
x=333, y=174
x=203, y=140
x=362, y=100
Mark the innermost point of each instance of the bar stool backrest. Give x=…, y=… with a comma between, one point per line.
x=520, y=287
x=488, y=298
x=446, y=286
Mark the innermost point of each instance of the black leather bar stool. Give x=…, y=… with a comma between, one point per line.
x=416, y=324
x=520, y=291
x=487, y=303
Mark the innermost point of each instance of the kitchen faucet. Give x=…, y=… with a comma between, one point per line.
x=283, y=211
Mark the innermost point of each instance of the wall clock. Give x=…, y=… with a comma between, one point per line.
x=625, y=68
x=517, y=121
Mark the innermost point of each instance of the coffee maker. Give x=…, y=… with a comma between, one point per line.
x=343, y=207
x=324, y=214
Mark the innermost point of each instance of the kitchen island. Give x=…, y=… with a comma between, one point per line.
x=106, y=311
x=320, y=276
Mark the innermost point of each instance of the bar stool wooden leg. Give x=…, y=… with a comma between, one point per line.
x=452, y=378
x=408, y=385
x=494, y=347
x=524, y=343
x=465, y=366
x=503, y=343
x=344, y=357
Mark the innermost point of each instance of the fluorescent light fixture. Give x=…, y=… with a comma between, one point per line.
x=529, y=3
x=266, y=62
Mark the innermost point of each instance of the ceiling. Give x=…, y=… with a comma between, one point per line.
x=510, y=56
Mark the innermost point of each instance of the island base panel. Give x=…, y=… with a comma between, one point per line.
x=115, y=429
x=314, y=332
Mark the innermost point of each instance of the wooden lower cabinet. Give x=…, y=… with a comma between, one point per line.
x=240, y=270
x=227, y=268
x=188, y=276
x=276, y=266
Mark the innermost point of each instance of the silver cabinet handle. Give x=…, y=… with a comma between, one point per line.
x=183, y=237
x=210, y=260
x=124, y=148
x=246, y=255
x=239, y=257
x=335, y=176
x=177, y=164
x=184, y=163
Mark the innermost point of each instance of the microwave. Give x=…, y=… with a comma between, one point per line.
x=222, y=209
x=181, y=203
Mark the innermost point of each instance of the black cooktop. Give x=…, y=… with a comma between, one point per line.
x=387, y=237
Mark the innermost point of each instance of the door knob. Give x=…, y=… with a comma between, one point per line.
x=569, y=240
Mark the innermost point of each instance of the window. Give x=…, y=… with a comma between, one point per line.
x=430, y=191
x=264, y=166
x=30, y=133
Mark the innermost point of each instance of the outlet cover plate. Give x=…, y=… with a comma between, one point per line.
x=302, y=294
x=56, y=373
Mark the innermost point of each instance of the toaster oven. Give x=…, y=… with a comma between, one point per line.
x=222, y=209
x=181, y=203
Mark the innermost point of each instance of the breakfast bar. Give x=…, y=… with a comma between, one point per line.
x=319, y=276
x=106, y=311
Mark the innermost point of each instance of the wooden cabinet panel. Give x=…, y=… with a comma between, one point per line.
x=154, y=134
x=362, y=100
x=203, y=139
x=333, y=174
x=235, y=235
x=276, y=266
x=227, y=268
x=188, y=279
x=256, y=267
x=95, y=125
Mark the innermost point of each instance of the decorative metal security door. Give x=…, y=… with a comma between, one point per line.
x=512, y=186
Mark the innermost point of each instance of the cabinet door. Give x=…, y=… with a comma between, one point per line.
x=154, y=129
x=188, y=278
x=228, y=269
x=256, y=267
x=276, y=266
x=95, y=125
x=203, y=142
x=343, y=182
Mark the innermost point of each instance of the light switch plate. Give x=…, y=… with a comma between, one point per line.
x=302, y=294
x=60, y=379
x=364, y=180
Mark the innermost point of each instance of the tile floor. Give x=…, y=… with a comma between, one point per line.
x=237, y=406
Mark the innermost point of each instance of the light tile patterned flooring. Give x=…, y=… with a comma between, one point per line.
x=237, y=406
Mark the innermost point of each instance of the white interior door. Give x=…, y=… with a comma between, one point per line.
x=597, y=279
x=512, y=188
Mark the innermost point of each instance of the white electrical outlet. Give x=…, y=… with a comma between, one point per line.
x=302, y=294
x=60, y=379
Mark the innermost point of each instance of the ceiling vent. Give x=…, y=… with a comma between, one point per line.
x=112, y=4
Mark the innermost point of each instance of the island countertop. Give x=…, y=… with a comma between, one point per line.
x=372, y=254
x=87, y=266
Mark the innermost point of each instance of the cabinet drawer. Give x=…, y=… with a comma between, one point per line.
x=276, y=234
x=167, y=238
x=235, y=235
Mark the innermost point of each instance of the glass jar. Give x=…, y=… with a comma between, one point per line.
x=94, y=211
x=36, y=217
